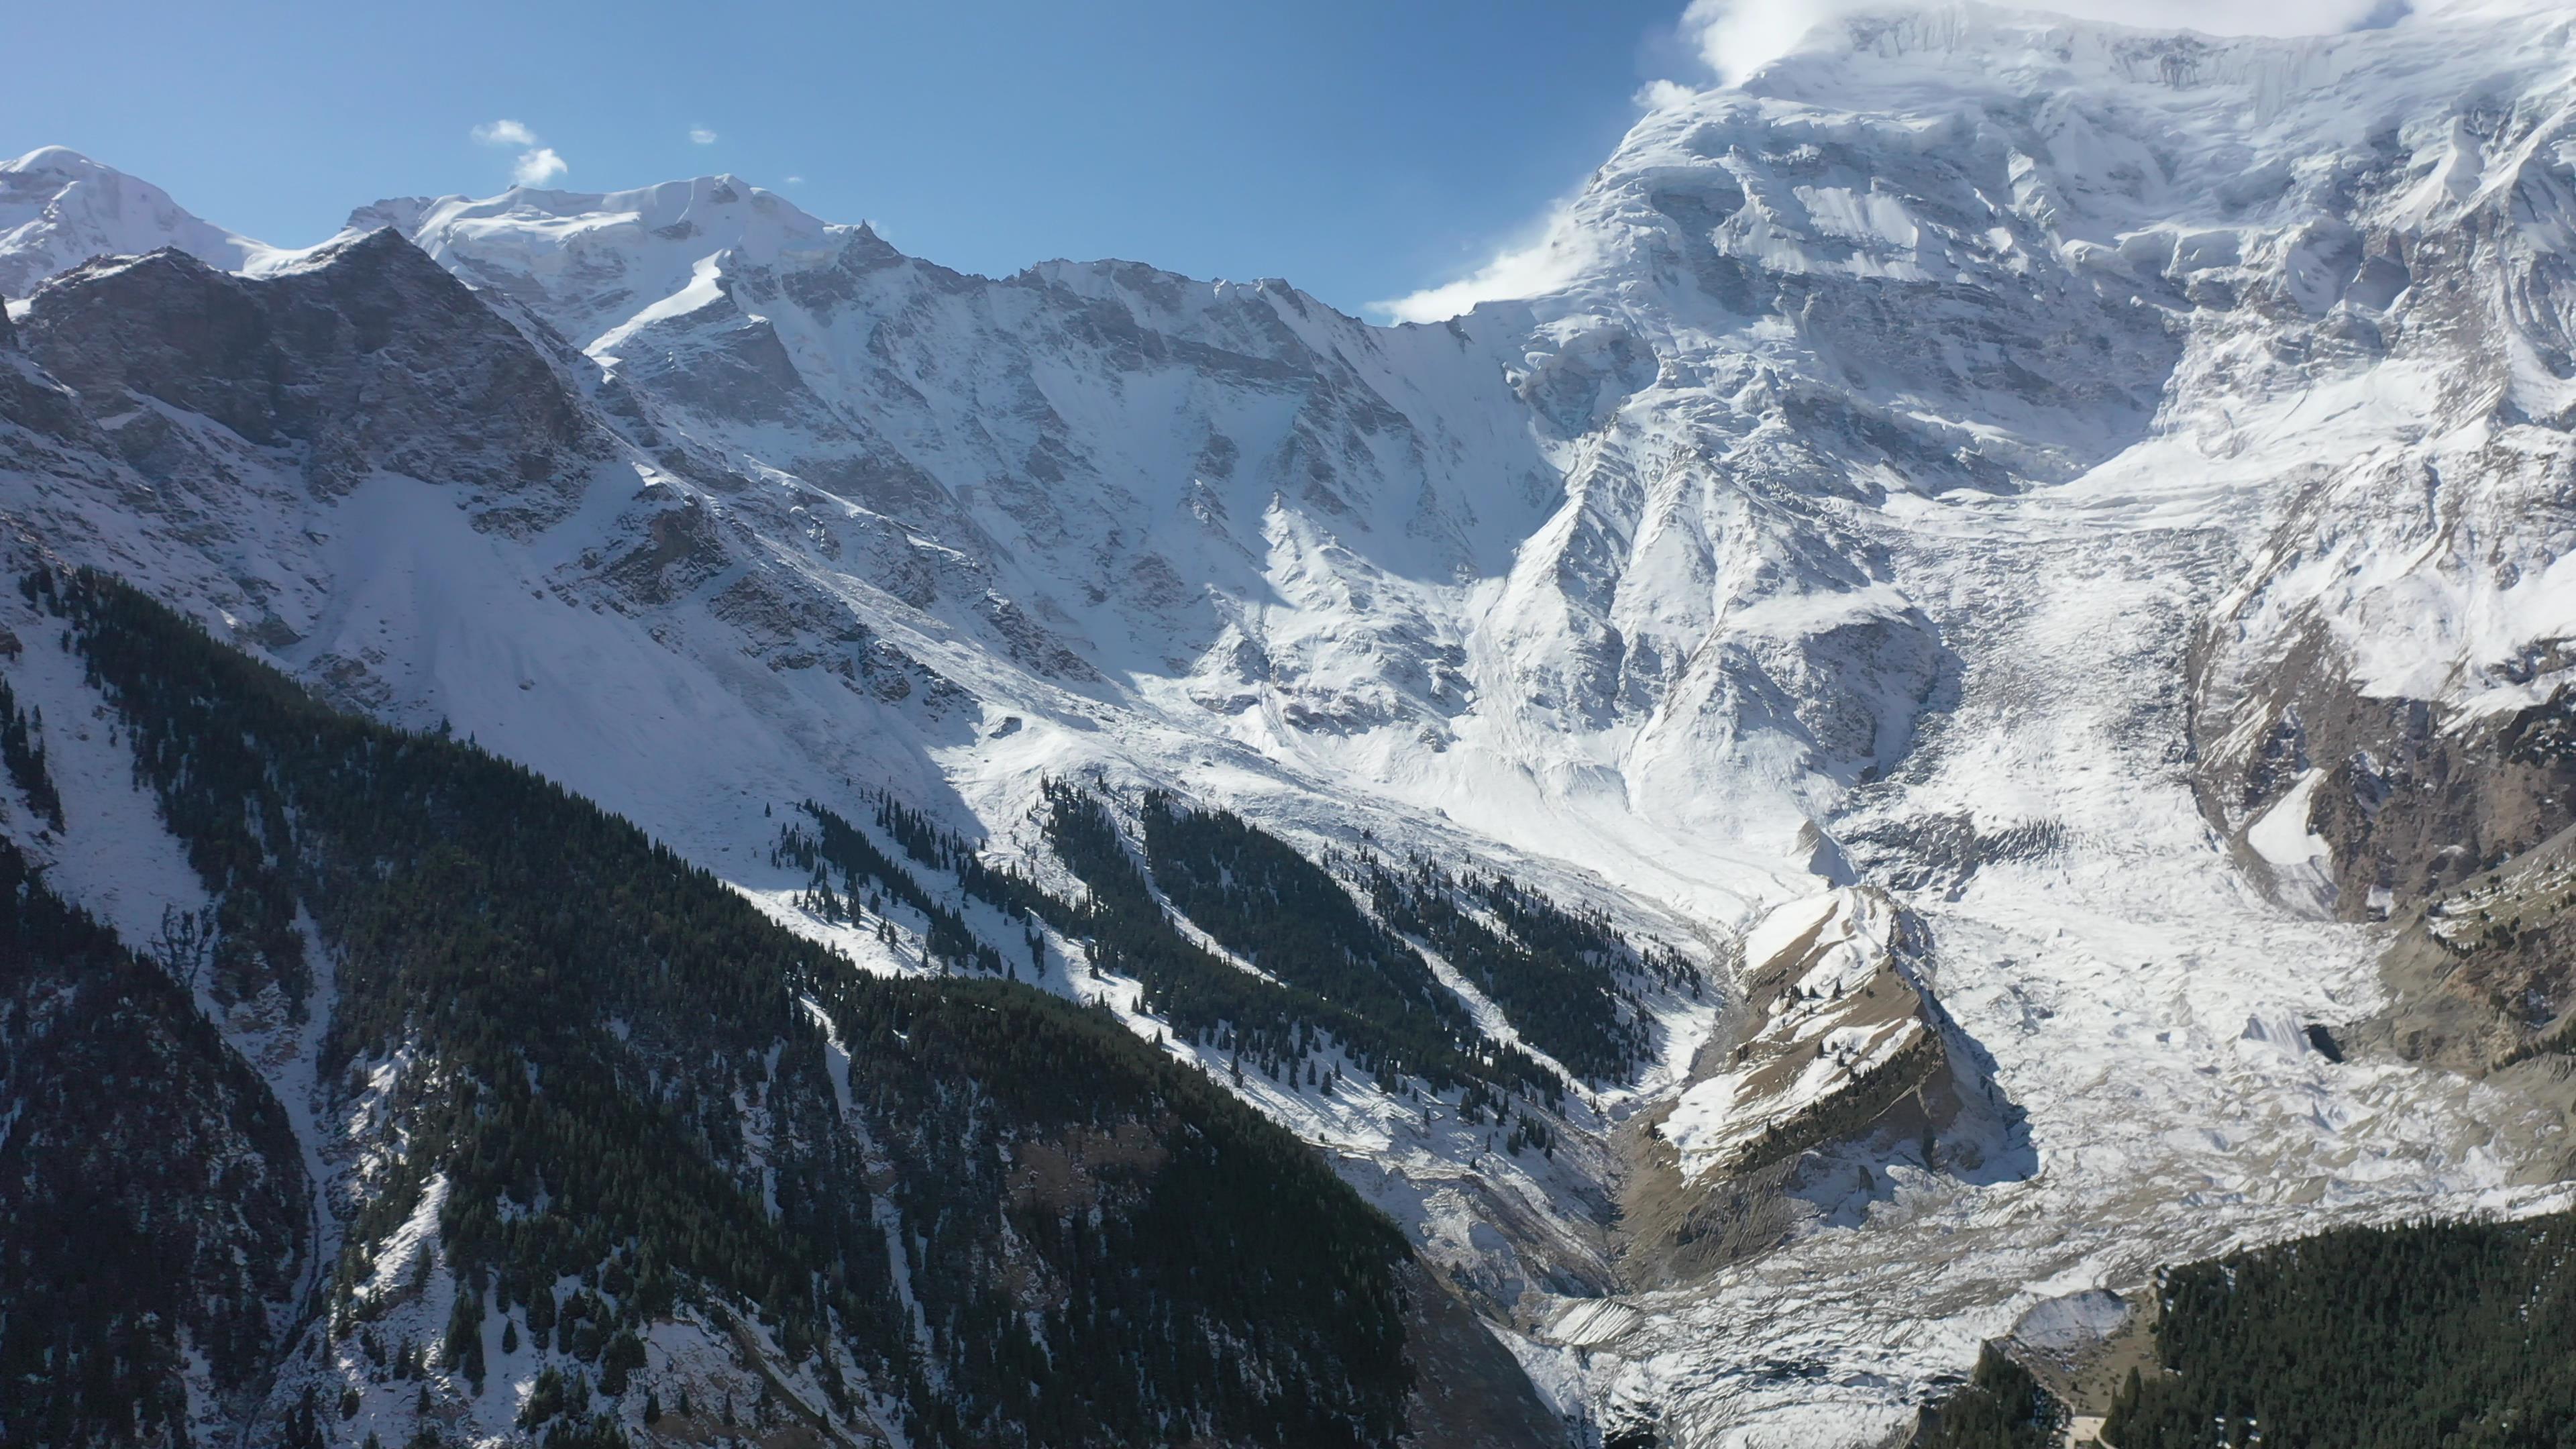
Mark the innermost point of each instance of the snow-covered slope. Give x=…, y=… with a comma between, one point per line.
x=1984, y=465
x=58, y=208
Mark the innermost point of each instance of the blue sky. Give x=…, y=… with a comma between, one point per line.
x=1363, y=149
x=1360, y=148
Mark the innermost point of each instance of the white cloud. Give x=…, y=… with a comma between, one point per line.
x=504, y=133
x=1654, y=95
x=1558, y=255
x=1737, y=37
x=537, y=167
x=700, y=135
x=795, y=180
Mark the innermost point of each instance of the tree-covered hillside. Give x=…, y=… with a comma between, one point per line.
x=1283, y=1023
x=152, y=1202
x=2429, y=1336
x=1004, y=1220
x=2001, y=1406
x=2437, y=1335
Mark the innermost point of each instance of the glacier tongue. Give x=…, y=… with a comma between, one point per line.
x=2002, y=471
x=2138, y=999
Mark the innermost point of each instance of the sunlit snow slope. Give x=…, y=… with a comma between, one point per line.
x=59, y=208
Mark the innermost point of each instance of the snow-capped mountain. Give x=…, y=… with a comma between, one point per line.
x=59, y=208
x=2015, y=543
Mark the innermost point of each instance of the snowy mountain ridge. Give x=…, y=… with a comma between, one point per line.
x=1987, y=459
x=59, y=208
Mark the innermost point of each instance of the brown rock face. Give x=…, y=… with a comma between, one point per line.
x=370, y=358
x=2414, y=800
x=2485, y=975
x=1894, y=1098
x=2458, y=828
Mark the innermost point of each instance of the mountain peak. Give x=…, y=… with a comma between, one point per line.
x=711, y=202
x=59, y=208
x=696, y=216
x=55, y=160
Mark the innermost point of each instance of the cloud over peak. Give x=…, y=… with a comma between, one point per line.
x=504, y=132
x=537, y=167
x=536, y=164
x=1737, y=37
x=1552, y=254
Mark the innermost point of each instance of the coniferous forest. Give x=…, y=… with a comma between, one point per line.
x=1557, y=974
x=2001, y=1406
x=2447, y=1335
x=149, y=1185
x=628, y=1085
x=2452, y=1335
x=1277, y=1025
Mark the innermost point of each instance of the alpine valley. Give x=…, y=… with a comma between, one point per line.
x=635, y=818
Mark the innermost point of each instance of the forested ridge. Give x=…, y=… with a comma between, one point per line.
x=1330, y=977
x=1286, y=915
x=1275, y=1026
x=872, y=883
x=1557, y=974
x=2438, y=1335
x=2001, y=1406
x=616, y=1075
x=2434, y=1335
x=149, y=1187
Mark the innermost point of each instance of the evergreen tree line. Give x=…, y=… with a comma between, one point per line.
x=1280, y=911
x=1561, y=976
x=632, y=1108
x=999, y=886
x=835, y=844
x=22, y=749
x=2454, y=1335
x=149, y=1188
x=1555, y=973
x=2001, y=1406
x=1250, y=890
x=1279, y=1027
x=919, y=836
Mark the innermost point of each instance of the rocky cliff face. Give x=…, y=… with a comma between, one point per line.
x=2485, y=968
x=2400, y=633
x=364, y=357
